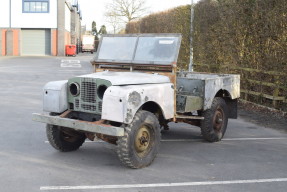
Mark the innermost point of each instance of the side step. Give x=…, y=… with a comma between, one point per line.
x=189, y=117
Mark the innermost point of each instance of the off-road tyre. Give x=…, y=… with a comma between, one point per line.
x=62, y=141
x=141, y=141
x=214, y=124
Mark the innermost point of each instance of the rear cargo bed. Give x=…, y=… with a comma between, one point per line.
x=201, y=88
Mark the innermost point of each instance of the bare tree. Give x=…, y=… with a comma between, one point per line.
x=126, y=10
x=114, y=21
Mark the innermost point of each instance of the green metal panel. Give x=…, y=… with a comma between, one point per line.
x=187, y=103
x=189, y=86
x=190, y=94
x=193, y=103
x=88, y=88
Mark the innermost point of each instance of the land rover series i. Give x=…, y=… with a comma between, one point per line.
x=133, y=94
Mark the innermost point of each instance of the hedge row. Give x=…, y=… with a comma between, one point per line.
x=170, y=21
x=248, y=37
x=247, y=33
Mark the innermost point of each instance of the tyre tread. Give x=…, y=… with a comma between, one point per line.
x=123, y=148
x=206, y=127
x=53, y=132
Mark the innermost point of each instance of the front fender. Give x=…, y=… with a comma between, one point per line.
x=120, y=103
x=55, y=97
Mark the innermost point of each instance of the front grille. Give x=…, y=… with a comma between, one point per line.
x=89, y=107
x=100, y=105
x=87, y=100
x=88, y=90
x=77, y=103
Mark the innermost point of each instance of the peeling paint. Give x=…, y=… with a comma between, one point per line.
x=208, y=85
x=129, y=115
x=134, y=99
x=146, y=98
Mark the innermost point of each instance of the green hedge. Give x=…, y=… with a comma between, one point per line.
x=171, y=21
x=248, y=37
x=246, y=33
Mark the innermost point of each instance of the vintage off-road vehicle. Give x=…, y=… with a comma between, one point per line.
x=133, y=94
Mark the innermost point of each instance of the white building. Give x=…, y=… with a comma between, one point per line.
x=38, y=27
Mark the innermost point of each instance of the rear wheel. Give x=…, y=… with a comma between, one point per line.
x=64, y=140
x=140, y=144
x=214, y=125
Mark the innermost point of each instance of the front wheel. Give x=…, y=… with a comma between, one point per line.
x=140, y=144
x=64, y=140
x=214, y=124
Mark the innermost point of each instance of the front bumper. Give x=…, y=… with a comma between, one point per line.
x=93, y=127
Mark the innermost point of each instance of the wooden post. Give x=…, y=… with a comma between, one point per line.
x=276, y=92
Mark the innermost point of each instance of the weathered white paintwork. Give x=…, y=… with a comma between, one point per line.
x=120, y=103
x=129, y=78
x=213, y=83
x=55, y=96
x=129, y=91
x=231, y=84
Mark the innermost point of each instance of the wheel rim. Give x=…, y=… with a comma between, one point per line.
x=143, y=141
x=218, y=120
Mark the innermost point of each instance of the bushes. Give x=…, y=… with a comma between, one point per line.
x=176, y=20
x=246, y=33
x=248, y=37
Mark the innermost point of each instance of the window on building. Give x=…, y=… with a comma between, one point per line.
x=35, y=6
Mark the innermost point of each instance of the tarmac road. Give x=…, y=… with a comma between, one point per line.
x=251, y=157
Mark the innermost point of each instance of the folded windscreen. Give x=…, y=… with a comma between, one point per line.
x=141, y=49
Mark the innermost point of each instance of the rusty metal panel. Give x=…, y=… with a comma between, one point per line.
x=93, y=127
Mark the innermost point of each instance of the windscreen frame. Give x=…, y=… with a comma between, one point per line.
x=176, y=37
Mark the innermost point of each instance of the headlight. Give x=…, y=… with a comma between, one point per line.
x=101, y=90
x=74, y=89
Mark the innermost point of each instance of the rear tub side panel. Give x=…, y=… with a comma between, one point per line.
x=230, y=83
x=121, y=103
x=207, y=86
